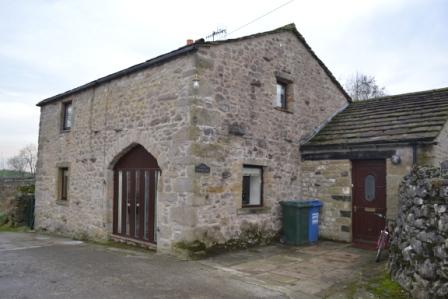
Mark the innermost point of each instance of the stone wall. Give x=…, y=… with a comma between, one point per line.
x=9, y=189
x=236, y=123
x=437, y=153
x=228, y=121
x=150, y=107
x=330, y=181
x=418, y=257
x=394, y=176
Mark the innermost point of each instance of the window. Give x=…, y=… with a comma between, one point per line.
x=281, y=95
x=252, y=186
x=369, y=187
x=63, y=183
x=67, y=116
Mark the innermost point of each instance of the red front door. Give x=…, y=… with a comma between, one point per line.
x=369, y=197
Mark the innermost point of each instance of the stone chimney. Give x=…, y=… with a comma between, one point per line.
x=189, y=42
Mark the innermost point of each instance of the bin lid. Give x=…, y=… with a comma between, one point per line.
x=315, y=203
x=297, y=203
x=302, y=203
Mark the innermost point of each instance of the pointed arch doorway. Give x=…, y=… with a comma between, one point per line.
x=136, y=176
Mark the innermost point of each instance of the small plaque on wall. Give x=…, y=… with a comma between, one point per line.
x=202, y=168
x=444, y=165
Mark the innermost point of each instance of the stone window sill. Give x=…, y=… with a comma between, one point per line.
x=62, y=202
x=253, y=210
x=283, y=110
x=65, y=131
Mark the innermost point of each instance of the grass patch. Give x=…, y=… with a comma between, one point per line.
x=374, y=282
x=351, y=289
x=384, y=287
x=7, y=173
x=17, y=229
x=3, y=219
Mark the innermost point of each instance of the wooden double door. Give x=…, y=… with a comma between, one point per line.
x=136, y=175
x=369, y=198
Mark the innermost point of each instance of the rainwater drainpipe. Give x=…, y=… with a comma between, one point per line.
x=414, y=154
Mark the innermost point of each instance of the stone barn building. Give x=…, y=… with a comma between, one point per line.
x=203, y=142
x=197, y=144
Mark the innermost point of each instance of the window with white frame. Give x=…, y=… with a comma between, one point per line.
x=67, y=116
x=252, y=194
x=280, y=100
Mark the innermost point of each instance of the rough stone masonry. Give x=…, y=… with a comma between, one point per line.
x=419, y=250
x=11, y=205
x=212, y=106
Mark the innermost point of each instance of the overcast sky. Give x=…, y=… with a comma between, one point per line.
x=50, y=46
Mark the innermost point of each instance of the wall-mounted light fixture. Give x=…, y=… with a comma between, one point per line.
x=395, y=159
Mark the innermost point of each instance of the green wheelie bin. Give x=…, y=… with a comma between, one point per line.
x=295, y=215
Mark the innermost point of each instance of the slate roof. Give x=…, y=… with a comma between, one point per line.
x=188, y=49
x=410, y=118
x=135, y=68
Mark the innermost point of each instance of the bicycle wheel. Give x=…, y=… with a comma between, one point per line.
x=380, y=246
x=378, y=254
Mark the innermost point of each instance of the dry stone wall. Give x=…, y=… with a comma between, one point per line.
x=9, y=198
x=419, y=249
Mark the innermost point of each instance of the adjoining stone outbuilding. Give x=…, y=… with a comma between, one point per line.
x=197, y=144
x=357, y=160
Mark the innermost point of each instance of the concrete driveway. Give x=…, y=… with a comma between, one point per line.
x=41, y=266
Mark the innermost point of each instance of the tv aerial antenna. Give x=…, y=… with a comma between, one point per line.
x=219, y=33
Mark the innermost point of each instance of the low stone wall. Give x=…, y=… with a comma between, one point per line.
x=418, y=258
x=12, y=196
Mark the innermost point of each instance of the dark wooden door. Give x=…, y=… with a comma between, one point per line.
x=135, y=195
x=369, y=197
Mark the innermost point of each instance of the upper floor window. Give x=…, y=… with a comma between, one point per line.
x=281, y=101
x=67, y=116
x=284, y=96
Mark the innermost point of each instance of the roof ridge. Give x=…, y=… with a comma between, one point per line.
x=288, y=27
x=390, y=97
x=123, y=72
x=291, y=27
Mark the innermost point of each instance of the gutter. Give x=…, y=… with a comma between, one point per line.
x=357, y=146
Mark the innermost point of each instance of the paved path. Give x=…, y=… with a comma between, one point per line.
x=299, y=272
x=40, y=266
x=36, y=266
